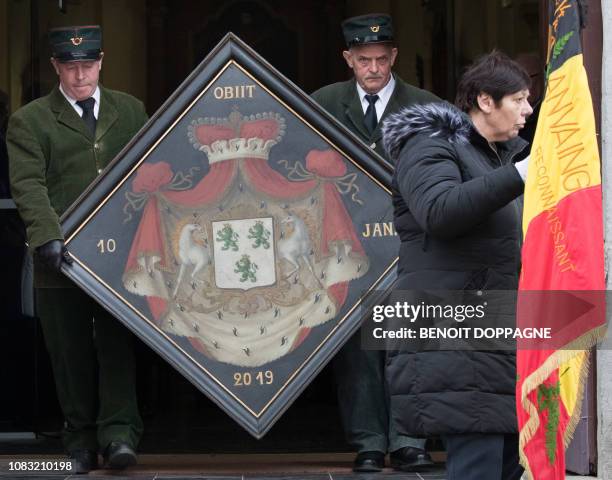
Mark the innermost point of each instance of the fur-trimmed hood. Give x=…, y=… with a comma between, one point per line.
x=433, y=119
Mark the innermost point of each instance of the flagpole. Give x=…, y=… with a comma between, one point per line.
x=604, y=354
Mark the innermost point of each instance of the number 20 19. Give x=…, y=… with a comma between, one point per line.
x=244, y=379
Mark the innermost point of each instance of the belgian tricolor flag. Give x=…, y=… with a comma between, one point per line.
x=562, y=278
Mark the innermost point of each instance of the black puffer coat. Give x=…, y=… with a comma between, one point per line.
x=458, y=217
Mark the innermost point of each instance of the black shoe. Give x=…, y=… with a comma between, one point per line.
x=410, y=459
x=119, y=455
x=369, y=462
x=82, y=460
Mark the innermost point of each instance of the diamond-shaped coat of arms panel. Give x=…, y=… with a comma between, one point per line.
x=237, y=235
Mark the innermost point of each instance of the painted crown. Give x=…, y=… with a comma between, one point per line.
x=237, y=136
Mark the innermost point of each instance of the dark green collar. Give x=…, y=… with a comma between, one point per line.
x=66, y=115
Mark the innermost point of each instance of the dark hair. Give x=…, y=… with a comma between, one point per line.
x=495, y=74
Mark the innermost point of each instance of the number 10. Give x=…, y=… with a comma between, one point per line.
x=107, y=246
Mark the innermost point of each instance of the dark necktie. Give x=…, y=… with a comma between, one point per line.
x=88, y=113
x=370, y=119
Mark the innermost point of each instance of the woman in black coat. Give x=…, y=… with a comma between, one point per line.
x=456, y=192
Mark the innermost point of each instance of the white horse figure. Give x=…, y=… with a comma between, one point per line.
x=295, y=244
x=191, y=253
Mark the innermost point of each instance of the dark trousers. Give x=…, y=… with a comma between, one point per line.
x=363, y=400
x=482, y=456
x=93, y=366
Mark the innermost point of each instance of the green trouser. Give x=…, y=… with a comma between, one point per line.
x=363, y=400
x=93, y=365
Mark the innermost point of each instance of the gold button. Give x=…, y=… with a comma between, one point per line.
x=96, y=146
x=99, y=171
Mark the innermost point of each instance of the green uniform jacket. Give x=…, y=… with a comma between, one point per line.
x=341, y=100
x=53, y=158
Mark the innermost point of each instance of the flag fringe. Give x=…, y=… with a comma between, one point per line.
x=527, y=433
x=552, y=363
x=575, y=418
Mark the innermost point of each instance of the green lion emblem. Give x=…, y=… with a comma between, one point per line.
x=246, y=269
x=260, y=235
x=228, y=237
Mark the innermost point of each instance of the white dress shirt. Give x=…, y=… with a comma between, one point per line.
x=79, y=110
x=383, y=97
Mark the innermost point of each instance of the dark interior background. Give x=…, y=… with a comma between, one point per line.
x=150, y=47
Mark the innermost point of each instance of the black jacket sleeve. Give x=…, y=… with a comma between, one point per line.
x=445, y=206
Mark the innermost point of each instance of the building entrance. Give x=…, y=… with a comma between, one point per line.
x=150, y=48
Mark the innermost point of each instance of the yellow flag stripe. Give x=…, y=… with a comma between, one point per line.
x=569, y=380
x=564, y=155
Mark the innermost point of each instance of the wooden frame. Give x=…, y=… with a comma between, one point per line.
x=238, y=149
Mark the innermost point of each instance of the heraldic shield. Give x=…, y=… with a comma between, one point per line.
x=239, y=234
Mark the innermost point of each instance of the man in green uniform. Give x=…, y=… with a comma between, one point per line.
x=362, y=104
x=57, y=145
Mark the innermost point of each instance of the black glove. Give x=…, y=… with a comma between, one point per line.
x=52, y=253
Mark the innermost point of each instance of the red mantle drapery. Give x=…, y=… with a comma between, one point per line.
x=153, y=179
